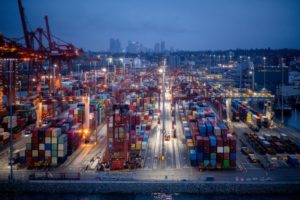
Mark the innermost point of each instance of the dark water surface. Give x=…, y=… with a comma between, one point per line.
x=292, y=121
x=158, y=196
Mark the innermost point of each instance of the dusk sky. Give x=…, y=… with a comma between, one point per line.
x=183, y=24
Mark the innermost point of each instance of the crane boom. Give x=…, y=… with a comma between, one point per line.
x=24, y=25
x=48, y=33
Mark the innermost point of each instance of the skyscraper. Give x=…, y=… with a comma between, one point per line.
x=162, y=46
x=157, y=48
x=115, y=45
x=133, y=47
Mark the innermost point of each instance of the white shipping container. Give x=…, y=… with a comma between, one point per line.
x=28, y=139
x=217, y=130
x=47, y=140
x=54, y=161
x=226, y=149
x=41, y=146
x=54, y=140
x=61, y=146
x=61, y=153
x=220, y=149
x=5, y=135
x=48, y=153
x=229, y=136
x=35, y=153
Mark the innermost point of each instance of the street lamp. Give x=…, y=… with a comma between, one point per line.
x=264, y=58
x=282, y=83
x=122, y=61
x=241, y=72
x=109, y=62
x=252, y=72
x=162, y=70
x=104, y=70
x=54, y=78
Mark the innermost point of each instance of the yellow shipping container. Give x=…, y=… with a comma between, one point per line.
x=132, y=146
x=138, y=145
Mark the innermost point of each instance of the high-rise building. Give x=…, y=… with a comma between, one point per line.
x=162, y=46
x=115, y=45
x=157, y=48
x=133, y=47
x=174, y=60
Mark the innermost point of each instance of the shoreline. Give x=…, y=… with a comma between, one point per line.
x=149, y=187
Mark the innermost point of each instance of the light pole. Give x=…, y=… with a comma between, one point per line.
x=122, y=61
x=252, y=72
x=282, y=120
x=163, y=71
x=241, y=72
x=11, y=175
x=54, y=78
x=105, y=71
x=109, y=62
x=264, y=58
x=20, y=96
x=95, y=79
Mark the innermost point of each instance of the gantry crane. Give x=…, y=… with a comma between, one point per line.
x=12, y=53
x=57, y=51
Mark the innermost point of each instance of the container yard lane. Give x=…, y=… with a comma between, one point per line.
x=87, y=155
x=180, y=143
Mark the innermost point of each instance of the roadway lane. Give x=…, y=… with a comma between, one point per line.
x=181, y=143
x=150, y=151
x=82, y=157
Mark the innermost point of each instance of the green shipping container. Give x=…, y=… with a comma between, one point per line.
x=54, y=153
x=206, y=163
x=226, y=163
x=28, y=146
x=54, y=147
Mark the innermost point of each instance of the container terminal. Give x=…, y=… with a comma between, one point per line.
x=118, y=122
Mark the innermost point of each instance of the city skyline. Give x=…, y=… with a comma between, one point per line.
x=200, y=25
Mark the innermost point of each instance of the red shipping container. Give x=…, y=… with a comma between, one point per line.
x=146, y=117
x=41, y=153
x=35, y=133
x=140, y=138
x=219, y=141
x=28, y=161
x=220, y=157
x=34, y=146
x=226, y=156
x=49, y=132
x=41, y=140
x=213, y=149
x=199, y=141
x=232, y=163
x=28, y=153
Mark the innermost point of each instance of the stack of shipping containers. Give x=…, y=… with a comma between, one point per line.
x=208, y=140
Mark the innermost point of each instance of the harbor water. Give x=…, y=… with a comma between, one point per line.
x=293, y=120
x=157, y=196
